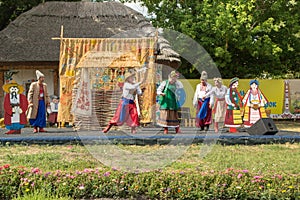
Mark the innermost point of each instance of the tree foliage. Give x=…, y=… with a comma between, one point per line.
x=245, y=38
x=11, y=9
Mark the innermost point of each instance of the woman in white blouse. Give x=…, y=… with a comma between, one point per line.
x=218, y=93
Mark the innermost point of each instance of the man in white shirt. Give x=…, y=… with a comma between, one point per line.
x=127, y=110
x=203, y=102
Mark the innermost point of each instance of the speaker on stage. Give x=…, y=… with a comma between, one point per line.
x=264, y=126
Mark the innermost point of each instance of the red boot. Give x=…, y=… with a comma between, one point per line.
x=35, y=129
x=177, y=130
x=107, y=128
x=42, y=130
x=11, y=132
x=232, y=130
x=166, y=130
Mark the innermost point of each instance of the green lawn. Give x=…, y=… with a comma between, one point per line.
x=258, y=158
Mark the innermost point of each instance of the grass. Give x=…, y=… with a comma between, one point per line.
x=288, y=125
x=276, y=158
x=40, y=195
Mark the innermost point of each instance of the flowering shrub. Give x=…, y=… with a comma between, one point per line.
x=191, y=184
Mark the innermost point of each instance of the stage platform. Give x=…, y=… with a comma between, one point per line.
x=145, y=136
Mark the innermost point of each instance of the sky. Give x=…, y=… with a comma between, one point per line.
x=137, y=7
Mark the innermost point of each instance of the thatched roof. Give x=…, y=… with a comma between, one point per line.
x=29, y=37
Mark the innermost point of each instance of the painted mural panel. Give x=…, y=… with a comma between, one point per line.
x=283, y=95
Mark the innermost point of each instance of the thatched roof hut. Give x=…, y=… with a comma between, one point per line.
x=26, y=43
x=28, y=38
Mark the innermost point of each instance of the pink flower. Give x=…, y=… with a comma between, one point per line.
x=239, y=175
x=47, y=174
x=114, y=169
x=21, y=172
x=35, y=170
x=245, y=171
x=70, y=176
x=106, y=174
x=257, y=177
x=6, y=166
x=86, y=170
x=279, y=176
x=24, y=179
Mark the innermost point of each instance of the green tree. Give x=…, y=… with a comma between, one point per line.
x=245, y=38
x=11, y=9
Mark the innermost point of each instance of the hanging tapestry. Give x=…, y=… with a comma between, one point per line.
x=106, y=61
x=83, y=101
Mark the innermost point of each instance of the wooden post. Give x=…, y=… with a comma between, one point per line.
x=1, y=93
x=55, y=82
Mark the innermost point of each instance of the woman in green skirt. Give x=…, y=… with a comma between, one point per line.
x=169, y=105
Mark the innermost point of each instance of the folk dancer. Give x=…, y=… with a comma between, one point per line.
x=203, y=102
x=169, y=104
x=38, y=100
x=218, y=92
x=127, y=109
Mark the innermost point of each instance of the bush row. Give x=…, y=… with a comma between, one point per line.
x=95, y=183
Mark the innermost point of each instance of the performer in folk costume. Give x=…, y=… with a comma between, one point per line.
x=254, y=102
x=203, y=102
x=218, y=92
x=15, y=106
x=38, y=100
x=127, y=110
x=233, y=117
x=169, y=105
x=53, y=111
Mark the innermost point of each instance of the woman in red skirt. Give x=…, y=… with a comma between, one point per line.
x=127, y=110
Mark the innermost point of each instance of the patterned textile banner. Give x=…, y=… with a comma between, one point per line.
x=83, y=100
x=106, y=61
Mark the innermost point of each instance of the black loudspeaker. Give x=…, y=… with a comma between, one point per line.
x=264, y=126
